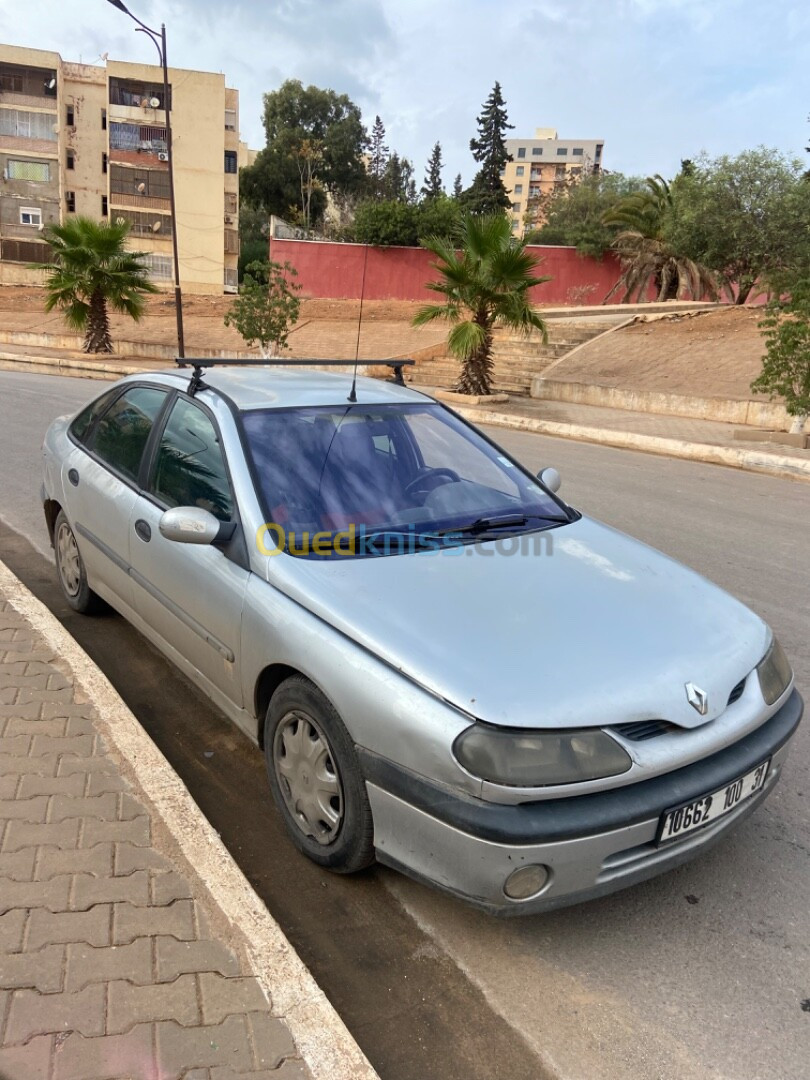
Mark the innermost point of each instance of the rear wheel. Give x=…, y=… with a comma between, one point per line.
x=70, y=569
x=315, y=778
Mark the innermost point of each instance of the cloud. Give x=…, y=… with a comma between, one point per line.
x=658, y=80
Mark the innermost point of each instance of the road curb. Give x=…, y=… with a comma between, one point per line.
x=781, y=465
x=67, y=365
x=322, y=1039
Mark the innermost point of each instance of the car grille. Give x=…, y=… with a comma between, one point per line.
x=737, y=692
x=640, y=730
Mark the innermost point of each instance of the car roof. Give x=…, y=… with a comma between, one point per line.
x=283, y=388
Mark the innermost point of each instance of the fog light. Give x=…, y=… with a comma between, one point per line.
x=526, y=882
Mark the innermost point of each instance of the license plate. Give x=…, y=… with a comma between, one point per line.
x=694, y=815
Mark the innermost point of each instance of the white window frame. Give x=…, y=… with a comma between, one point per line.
x=33, y=212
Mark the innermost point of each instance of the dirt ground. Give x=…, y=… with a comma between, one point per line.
x=326, y=328
x=715, y=354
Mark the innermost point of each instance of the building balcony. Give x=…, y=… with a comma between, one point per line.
x=34, y=101
x=146, y=202
x=151, y=159
x=41, y=147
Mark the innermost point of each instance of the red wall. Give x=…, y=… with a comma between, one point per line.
x=335, y=271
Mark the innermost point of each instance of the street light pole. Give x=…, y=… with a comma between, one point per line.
x=160, y=44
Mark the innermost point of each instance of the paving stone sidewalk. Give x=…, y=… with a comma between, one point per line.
x=111, y=964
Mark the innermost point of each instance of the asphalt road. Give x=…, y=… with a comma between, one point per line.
x=702, y=973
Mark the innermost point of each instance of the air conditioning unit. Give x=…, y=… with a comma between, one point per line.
x=163, y=156
x=228, y=219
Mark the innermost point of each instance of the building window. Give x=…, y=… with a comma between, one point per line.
x=143, y=223
x=519, y=170
x=230, y=161
x=70, y=116
x=515, y=207
x=151, y=183
x=70, y=202
x=104, y=206
x=521, y=151
x=537, y=151
x=230, y=119
x=599, y=151
x=159, y=266
x=578, y=151
x=27, y=125
x=32, y=81
x=562, y=151
x=104, y=160
x=38, y=172
x=518, y=189
x=103, y=119
x=137, y=95
x=534, y=192
x=536, y=173
x=70, y=159
x=30, y=215
x=559, y=172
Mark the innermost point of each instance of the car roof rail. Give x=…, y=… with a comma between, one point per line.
x=200, y=364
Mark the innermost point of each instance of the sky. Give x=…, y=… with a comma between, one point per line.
x=658, y=80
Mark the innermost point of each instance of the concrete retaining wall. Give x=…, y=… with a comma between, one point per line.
x=761, y=414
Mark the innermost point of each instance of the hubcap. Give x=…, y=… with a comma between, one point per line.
x=308, y=777
x=67, y=554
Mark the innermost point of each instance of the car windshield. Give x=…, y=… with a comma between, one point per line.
x=356, y=479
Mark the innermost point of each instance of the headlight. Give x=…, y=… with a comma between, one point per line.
x=774, y=673
x=539, y=758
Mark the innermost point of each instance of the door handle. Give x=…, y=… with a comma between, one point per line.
x=73, y=477
x=143, y=530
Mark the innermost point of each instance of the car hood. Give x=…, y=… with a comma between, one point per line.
x=593, y=628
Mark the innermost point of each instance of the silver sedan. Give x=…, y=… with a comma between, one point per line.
x=448, y=668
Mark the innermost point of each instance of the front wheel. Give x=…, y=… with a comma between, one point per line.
x=315, y=778
x=70, y=569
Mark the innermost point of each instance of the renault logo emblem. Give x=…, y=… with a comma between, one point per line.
x=697, y=698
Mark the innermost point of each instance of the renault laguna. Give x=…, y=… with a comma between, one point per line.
x=448, y=668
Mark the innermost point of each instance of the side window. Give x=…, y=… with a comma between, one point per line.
x=81, y=426
x=121, y=433
x=190, y=467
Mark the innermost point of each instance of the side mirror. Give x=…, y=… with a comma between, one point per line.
x=190, y=525
x=550, y=478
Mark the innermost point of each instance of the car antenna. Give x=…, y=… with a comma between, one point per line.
x=353, y=392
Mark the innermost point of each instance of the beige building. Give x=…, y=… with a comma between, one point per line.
x=91, y=140
x=541, y=163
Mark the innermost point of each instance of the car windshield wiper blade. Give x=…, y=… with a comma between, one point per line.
x=500, y=521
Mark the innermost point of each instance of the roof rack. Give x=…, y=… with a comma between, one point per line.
x=200, y=364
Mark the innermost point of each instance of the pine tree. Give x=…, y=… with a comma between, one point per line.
x=379, y=157
x=457, y=187
x=487, y=195
x=432, y=187
x=398, y=182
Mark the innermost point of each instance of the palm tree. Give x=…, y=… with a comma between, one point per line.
x=646, y=256
x=91, y=268
x=486, y=274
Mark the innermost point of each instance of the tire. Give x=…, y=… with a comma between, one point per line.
x=70, y=569
x=316, y=780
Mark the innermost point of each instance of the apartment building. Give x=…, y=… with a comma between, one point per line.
x=541, y=163
x=91, y=139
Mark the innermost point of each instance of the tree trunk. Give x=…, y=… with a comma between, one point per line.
x=476, y=371
x=745, y=287
x=797, y=426
x=97, y=336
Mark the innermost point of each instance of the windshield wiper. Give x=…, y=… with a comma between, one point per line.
x=500, y=521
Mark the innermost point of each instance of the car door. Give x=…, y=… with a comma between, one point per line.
x=191, y=595
x=100, y=484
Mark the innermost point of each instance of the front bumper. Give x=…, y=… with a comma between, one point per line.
x=593, y=844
